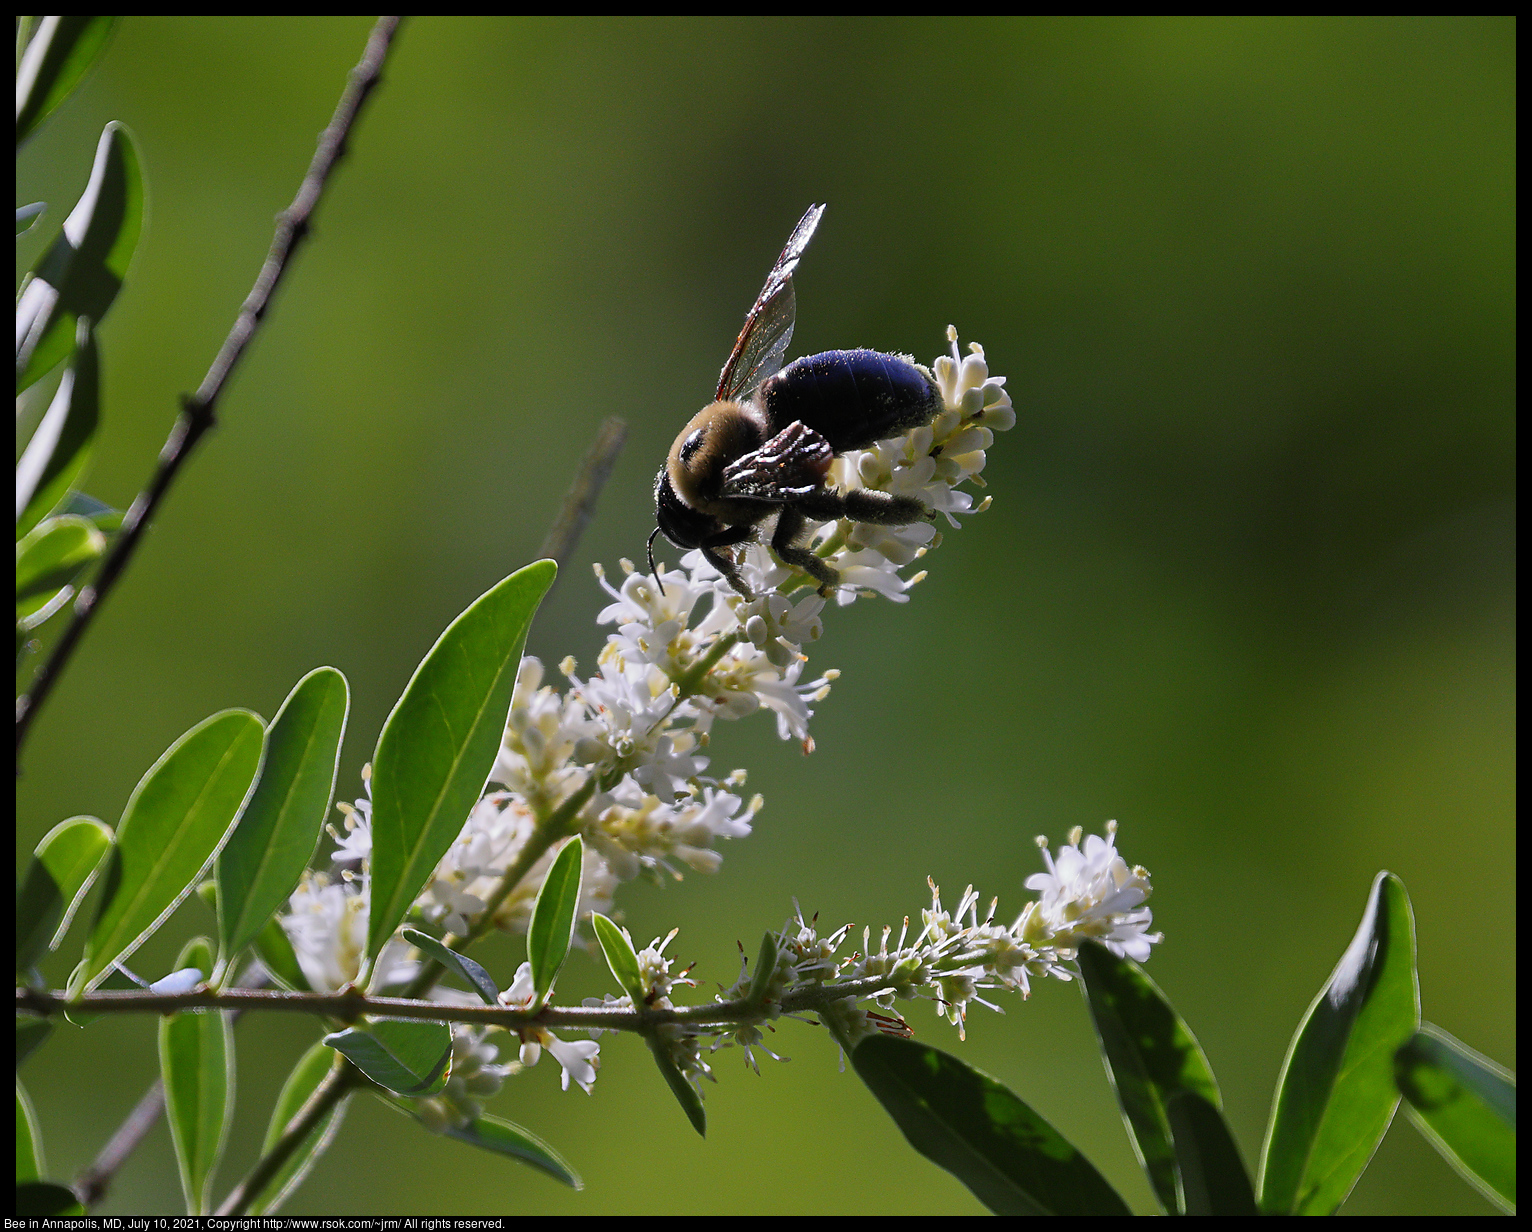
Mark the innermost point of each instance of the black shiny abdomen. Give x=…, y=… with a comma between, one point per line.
x=851, y=398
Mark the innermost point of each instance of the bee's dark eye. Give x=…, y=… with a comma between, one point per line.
x=692, y=443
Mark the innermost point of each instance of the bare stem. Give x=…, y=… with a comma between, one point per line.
x=91, y=1185
x=198, y=409
x=335, y=1086
x=580, y=500
x=349, y=1005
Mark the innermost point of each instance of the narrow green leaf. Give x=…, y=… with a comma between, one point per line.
x=280, y=828
x=51, y=557
x=1336, y=1094
x=29, y=1140
x=312, y=1069
x=553, y=917
x=56, y=880
x=27, y=216
x=966, y=1122
x=105, y=519
x=115, y=980
x=275, y=951
x=30, y=1034
x=477, y=977
x=1465, y=1106
x=404, y=1055
x=197, y=1068
x=1212, y=1174
x=765, y=969
x=59, y=451
x=505, y=1138
x=1153, y=1059
x=54, y=63
x=39, y=616
x=500, y=1136
x=176, y=821
x=438, y=746
x=620, y=956
x=686, y=1095
x=82, y=270
x=40, y=1199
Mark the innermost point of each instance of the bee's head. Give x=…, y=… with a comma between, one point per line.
x=677, y=521
x=714, y=437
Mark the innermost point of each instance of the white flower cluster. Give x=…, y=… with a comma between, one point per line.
x=474, y=1078
x=1088, y=893
x=681, y=1042
x=617, y=757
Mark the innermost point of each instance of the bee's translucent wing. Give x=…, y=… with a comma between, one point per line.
x=759, y=349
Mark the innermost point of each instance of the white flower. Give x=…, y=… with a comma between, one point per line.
x=579, y=1059
x=327, y=926
x=497, y=830
x=1093, y=893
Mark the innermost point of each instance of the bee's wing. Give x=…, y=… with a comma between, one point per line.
x=768, y=328
x=791, y=464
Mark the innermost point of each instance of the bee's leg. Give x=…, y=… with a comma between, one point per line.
x=723, y=564
x=790, y=524
x=864, y=505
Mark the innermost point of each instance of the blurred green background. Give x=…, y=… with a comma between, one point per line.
x=1247, y=585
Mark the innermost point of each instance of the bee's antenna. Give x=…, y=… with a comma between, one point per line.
x=650, y=548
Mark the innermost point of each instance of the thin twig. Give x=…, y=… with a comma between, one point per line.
x=330, y=1092
x=91, y=1185
x=352, y=1004
x=580, y=500
x=197, y=410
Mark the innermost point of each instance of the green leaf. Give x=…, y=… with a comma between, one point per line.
x=1212, y=1174
x=280, y=828
x=620, y=956
x=29, y=1139
x=56, y=880
x=765, y=969
x=505, y=1138
x=553, y=917
x=175, y=823
x=1155, y=1063
x=54, y=63
x=686, y=1095
x=27, y=216
x=30, y=1034
x=966, y=1122
x=56, y=457
x=312, y=1069
x=405, y=1055
x=1465, y=1105
x=438, y=746
x=49, y=559
x=275, y=951
x=105, y=519
x=115, y=980
x=40, y=1199
x=197, y=1068
x=477, y=977
x=1336, y=1094
x=82, y=270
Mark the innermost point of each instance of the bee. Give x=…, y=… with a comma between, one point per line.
x=763, y=448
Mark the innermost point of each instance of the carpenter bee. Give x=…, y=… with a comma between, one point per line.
x=763, y=449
